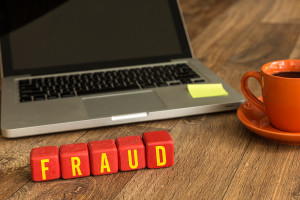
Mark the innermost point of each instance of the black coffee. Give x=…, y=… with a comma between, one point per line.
x=291, y=74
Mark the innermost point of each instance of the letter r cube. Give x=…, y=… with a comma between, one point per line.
x=131, y=153
x=44, y=163
x=74, y=160
x=103, y=157
x=159, y=149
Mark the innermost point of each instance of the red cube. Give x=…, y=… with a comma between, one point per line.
x=159, y=149
x=44, y=163
x=74, y=160
x=103, y=157
x=131, y=153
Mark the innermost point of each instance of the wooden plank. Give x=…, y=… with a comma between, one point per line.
x=227, y=28
x=95, y=187
x=15, y=154
x=268, y=171
x=251, y=50
x=289, y=179
x=91, y=187
x=296, y=51
x=235, y=42
x=283, y=11
x=208, y=150
x=200, y=13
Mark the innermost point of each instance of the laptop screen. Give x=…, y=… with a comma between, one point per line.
x=41, y=37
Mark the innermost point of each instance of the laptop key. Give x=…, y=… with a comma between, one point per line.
x=27, y=87
x=181, y=76
x=87, y=92
x=106, y=88
x=25, y=99
x=52, y=96
x=185, y=81
x=199, y=81
x=67, y=94
x=118, y=87
x=132, y=86
x=34, y=93
x=148, y=86
x=161, y=84
x=49, y=80
x=37, y=94
x=37, y=81
x=82, y=91
x=24, y=82
x=39, y=97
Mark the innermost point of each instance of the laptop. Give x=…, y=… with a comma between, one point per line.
x=69, y=65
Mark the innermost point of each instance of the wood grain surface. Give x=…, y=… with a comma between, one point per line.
x=216, y=157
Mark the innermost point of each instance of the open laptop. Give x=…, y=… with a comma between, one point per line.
x=70, y=65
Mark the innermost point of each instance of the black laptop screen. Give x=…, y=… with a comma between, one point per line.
x=40, y=37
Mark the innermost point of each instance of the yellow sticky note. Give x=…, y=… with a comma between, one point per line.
x=206, y=90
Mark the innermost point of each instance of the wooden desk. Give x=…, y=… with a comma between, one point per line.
x=216, y=157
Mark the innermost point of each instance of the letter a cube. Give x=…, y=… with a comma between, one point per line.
x=74, y=160
x=103, y=157
x=131, y=153
x=159, y=149
x=44, y=163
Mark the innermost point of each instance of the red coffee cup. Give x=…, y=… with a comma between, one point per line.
x=280, y=86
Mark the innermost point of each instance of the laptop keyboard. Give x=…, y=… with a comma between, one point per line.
x=37, y=89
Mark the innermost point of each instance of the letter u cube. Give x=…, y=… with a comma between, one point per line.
x=131, y=153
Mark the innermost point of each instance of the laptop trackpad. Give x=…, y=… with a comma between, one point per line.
x=106, y=106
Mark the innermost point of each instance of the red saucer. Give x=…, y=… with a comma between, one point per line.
x=259, y=123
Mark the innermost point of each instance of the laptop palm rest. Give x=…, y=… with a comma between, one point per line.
x=122, y=104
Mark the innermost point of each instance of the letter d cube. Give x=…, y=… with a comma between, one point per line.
x=74, y=160
x=44, y=163
x=159, y=149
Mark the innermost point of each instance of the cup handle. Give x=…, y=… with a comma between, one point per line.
x=249, y=95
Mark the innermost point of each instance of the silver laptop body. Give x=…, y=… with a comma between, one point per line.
x=20, y=119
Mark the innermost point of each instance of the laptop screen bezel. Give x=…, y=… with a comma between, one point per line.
x=7, y=66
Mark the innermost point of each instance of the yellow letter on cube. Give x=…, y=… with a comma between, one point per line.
x=135, y=159
x=164, y=160
x=75, y=166
x=104, y=163
x=44, y=168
